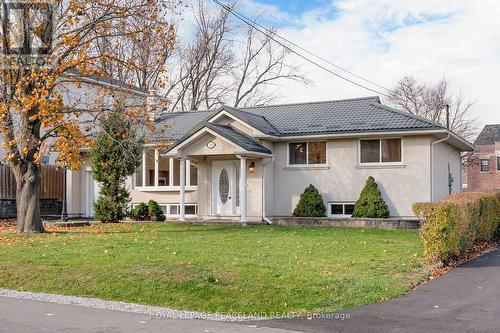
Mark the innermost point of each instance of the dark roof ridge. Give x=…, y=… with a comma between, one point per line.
x=250, y=121
x=313, y=102
x=243, y=109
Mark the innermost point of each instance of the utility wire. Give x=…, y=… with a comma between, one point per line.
x=270, y=34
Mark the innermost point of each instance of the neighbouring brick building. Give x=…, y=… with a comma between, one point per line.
x=483, y=167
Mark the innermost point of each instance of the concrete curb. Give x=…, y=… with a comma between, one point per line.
x=153, y=311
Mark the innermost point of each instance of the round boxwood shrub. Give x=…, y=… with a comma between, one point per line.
x=155, y=212
x=310, y=204
x=370, y=203
x=140, y=212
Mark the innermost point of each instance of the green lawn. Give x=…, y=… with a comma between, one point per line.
x=217, y=268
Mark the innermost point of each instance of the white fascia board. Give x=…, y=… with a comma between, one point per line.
x=196, y=135
x=247, y=153
x=223, y=112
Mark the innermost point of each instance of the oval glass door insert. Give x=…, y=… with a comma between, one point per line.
x=223, y=186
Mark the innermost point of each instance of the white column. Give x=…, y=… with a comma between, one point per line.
x=144, y=167
x=170, y=172
x=243, y=189
x=157, y=169
x=188, y=173
x=182, y=189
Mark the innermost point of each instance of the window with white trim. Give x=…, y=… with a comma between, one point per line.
x=380, y=151
x=498, y=163
x=307, y=153
x=172, y=210
x=340, y=209
x=159, y=172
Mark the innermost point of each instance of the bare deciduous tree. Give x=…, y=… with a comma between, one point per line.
x=430, y=101
x=41, y=42
x=221, y=67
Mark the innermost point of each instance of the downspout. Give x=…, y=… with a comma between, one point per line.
x=432, y=164
x=264, y=217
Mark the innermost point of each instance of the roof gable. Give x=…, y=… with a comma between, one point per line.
x=489, y=135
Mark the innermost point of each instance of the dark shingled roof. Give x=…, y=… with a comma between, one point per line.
x=358, y=115
x=240, y=138
x=349, y=115
x=173, y=126
x=489, y=135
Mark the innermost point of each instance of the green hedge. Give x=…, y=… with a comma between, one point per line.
x=451, y=226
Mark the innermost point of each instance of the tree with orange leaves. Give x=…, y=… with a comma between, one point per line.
x=41, y=42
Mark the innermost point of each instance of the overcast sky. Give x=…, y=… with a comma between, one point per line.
x=384, y=40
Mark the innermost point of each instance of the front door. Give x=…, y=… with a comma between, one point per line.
x=224, y=187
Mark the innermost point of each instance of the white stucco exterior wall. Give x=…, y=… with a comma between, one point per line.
x=343, y=178
x=444, y=155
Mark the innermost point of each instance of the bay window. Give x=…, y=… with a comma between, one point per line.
x=150, y=168
x=163, y=170
x=380, y=151
x=307, y=153
x=158, y=172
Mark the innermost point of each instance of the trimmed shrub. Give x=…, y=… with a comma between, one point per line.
x=140, y=212
x=370, y=203
x=453, y=225
x=147, y=212
x=155, y=212
x=310, y=204
x=107, y=210
x=115, y=155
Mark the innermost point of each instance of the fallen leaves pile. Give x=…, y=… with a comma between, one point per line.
x=473, y=252
x=7, y=225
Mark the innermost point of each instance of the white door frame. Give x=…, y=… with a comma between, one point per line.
x=229, y=208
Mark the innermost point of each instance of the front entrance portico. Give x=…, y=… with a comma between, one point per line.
x=230, y=185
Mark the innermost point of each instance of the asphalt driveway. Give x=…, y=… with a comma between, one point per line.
x=466, y=299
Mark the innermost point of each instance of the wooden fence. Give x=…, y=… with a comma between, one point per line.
x=52, y=183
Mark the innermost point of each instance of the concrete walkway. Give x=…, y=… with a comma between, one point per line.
x=466, y=299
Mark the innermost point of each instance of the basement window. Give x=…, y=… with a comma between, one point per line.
x=340, y=209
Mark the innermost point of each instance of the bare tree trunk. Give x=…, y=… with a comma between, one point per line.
x=28, y=198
